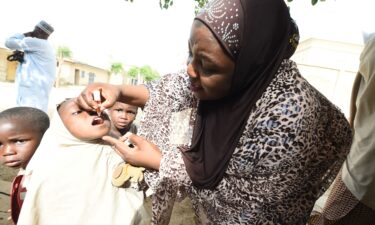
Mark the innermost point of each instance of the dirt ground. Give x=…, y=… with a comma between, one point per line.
x=6, y=176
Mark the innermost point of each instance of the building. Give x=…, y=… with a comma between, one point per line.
x=330, y=66
x=69, y=72
x=7, y=69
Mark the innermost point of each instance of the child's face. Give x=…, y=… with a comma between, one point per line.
x=17, y=143
x=122, y=115
x=82, y=124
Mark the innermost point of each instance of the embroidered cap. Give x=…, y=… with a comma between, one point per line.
x=223, y=18
x=48, y=29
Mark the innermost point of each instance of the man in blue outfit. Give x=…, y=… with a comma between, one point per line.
x=36, y=71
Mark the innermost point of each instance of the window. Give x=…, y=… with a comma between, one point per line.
x=133, y=81
x=91, y=77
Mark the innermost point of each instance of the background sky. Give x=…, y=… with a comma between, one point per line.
x=100, y=32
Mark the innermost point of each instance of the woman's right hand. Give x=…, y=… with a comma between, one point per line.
x=109, y=95
x=143, y=152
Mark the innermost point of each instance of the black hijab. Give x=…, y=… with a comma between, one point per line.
x=258, y=35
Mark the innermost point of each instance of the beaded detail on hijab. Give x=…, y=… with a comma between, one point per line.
x=222, y=17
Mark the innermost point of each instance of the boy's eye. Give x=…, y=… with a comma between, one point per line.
x=130, y=112
x=20, y=142
x=119, y=110
x=76, y=112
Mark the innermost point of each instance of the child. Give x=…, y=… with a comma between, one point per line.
x=122, y=117
x=21, y=130
x=71, y=182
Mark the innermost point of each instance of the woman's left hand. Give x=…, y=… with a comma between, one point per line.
x=144, y=153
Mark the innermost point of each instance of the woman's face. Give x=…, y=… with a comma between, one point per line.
x=82, y=124
x=209, y=67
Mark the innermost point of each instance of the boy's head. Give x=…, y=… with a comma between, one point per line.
x=84, y=125
x=21, y=130
x=122, y=116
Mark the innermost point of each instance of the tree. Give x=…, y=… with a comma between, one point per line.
x=165, y=4
x=313, y=2
x=145, y=72
x=148, y=73
x=117, y=68
x=63, y=52
x=133, y=72
x=117, y=73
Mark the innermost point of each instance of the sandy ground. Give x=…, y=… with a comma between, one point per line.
x=182, y=213
x=6, y=176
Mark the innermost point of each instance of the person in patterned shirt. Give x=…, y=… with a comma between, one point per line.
x=239, y=131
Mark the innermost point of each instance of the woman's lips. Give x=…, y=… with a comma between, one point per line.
x=195, y=87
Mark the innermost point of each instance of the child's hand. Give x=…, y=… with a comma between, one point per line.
x=144, y=153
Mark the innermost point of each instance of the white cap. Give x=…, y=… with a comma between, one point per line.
x=43, y=25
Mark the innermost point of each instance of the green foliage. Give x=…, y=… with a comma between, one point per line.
x=199, y=5
x=117, y=67
x=313, y=2
x=165, y=4
x=64, y=52
x=146, y=72
x=133, y=72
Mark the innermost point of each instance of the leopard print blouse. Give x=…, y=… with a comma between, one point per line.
x=293, y=145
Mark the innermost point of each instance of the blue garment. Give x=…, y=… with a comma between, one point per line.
x=36, y=75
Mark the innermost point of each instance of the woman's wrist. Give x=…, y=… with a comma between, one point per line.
x=155, y=165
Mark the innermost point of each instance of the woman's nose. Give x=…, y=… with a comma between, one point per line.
x=191, y=71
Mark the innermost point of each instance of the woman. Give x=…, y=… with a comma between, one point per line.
x=242, y=133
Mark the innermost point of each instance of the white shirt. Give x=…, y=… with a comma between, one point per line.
x=36, y=75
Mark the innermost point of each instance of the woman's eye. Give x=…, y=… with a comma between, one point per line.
x=208, y=68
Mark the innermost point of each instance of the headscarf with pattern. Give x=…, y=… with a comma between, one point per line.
x=257, y=35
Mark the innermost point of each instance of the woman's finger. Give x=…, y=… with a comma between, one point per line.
x=112, y=141
x=109, y=96
x=133, y=138
x=82, y=103
x=86, y=100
